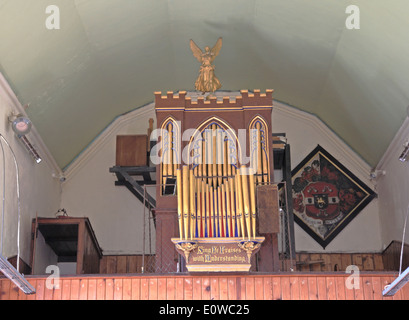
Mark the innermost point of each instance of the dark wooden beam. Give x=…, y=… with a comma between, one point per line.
x=133, y=171
x=289, y=200
x=125, y=176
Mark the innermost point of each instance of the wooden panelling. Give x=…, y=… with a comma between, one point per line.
x=126, y=264
x=391, y=256
x=295, y=286
x=24, y=268
x=305, y=262
x=267, y=206
x=131, y=150
x=327, y=262
x=388, y=260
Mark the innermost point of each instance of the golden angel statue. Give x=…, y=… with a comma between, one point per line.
x=207, y=81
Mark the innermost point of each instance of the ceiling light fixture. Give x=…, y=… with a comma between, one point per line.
x=404, y=155
x=376, y=173
x=33, y=152
x=20, y=124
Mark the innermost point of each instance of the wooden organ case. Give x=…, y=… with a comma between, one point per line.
x=216, y=181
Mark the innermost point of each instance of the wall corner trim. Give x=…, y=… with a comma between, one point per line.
x=396, y=146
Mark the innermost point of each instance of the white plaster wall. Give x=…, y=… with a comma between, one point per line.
x=44, y=256
x=116, y=215
x=393, y=189
x=40, y=193
x=304, y=132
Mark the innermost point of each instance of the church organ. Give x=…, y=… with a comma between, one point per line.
x=218, y=153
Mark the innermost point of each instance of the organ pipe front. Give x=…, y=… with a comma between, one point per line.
x=222, y=204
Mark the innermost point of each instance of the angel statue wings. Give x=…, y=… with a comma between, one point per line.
x=207, y=81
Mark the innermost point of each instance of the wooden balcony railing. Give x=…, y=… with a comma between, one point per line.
x=283, y=286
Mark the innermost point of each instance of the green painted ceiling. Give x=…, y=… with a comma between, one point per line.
x=111, y=55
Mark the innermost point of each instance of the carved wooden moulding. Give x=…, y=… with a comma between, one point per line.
x=218, y=254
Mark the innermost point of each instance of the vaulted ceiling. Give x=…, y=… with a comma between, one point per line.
x=108, y=57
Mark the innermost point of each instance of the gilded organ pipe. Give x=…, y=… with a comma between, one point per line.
x=185, y=179
x=180, y=200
